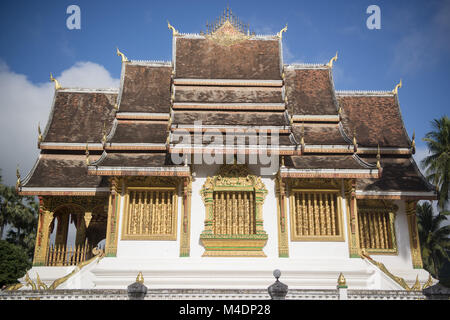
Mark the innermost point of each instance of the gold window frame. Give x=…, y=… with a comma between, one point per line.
x=172, y=236
x=340, y=237
x=379, y=206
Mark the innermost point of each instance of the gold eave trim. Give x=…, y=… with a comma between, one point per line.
x=130, y=171
x=396, y=195
x=69, y=146
x=136, y=146
x=386, y=150
x=230, y=106
x=142, y=116
x=30, y=191
x=328, y=149
x=329, y=173
x=229, y=82
x=315, y=118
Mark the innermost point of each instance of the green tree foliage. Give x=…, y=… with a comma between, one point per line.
x=14, y=263
x=20, y=214
x=434, y=240
x=437, y=164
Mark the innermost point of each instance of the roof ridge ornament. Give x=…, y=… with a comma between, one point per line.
x=398, y=86
x=413, y=142
x=39, y=134
x=330, y=63
x=174, y=31
x=57, y=85
x=88, y=162
x=124, y=58
x=280, y=34
x=18, y=183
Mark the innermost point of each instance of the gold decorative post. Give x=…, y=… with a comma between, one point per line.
x=352, y=221
x=112, y=230
x=283, y=243
x=414, y=242
x=42, y=235
x=186, y=218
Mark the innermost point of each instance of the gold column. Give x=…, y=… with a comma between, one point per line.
x=112, y=231
x=42, y=234
x=186, y=219
x=416, y=255
x=352, y=221
x=283, y=243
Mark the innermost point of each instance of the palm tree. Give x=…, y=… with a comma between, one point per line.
x=437, y=165
x=434, y=240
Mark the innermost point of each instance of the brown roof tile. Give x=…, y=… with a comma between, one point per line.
x=230, y=118
x=228, y=94
x=140, y=132
x=399, y=174
x=310, y=92
x=376, y=119
x=119, y=159
x=146, y=89
x=79, y=117
x=323, y=162
x=319, y=135
x=56, y=172
x=249, y=59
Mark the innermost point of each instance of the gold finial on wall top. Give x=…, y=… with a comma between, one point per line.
x=280, y=34
x=39, y=133
x=88, y=162
x=18, y=183
x=124, y=58
x=174, y=31
x=330, y=63
x=140, y=278
x=378, y=158
x=398, y=86
x=57, y=85
x=341, y=280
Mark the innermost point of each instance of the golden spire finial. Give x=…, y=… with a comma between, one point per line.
x=398, y=86
x=124, y=58
x=57, y=85
x=330, y=63
x=88, y=162
x=18, y=183
x=378, y=157
x=280, y=34
x=39, y=133
x=355, y=143
x=413, y=142
x=302, y=139
x=140, y=278
x=341, y=280
x=282, y=161
x=174, y=31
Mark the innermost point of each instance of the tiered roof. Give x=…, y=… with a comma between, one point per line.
x=227, y=79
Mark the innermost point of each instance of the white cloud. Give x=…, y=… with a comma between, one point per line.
x=23, y=104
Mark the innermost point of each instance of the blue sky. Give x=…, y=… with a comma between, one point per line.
x=412, y=44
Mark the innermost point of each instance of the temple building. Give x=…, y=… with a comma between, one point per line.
x=213, y=169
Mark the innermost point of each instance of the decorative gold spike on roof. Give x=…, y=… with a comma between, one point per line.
x=124, y=58
x=227, y=18
x=140, y=278
x=280, y=34
x=39, y=133
x=18, y=183
x=413, y=142
x=116, y=106
x=57, y=85
x=88, y=162
x=174, y=31
x=355, y=143
x=302, y=139
x=330, y=63
x=398, y=86
x=282, y=161
x=378, y=158
x=341, y=280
